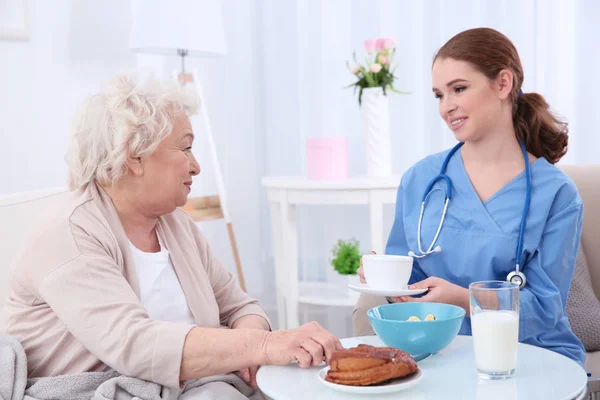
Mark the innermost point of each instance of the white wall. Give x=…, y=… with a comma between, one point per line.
x=71, y=54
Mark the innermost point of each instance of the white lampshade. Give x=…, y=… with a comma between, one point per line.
x=163, y=26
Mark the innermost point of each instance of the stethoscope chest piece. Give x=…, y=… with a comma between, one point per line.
x=517, y=277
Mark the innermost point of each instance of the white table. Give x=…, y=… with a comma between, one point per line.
x=450, y=374
x=283, y=194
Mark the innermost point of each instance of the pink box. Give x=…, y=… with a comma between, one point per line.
x=327, y=158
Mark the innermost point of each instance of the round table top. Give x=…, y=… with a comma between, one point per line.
x=450, y=374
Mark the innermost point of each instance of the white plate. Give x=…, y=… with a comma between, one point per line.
x=366, y=289
x=395, y=385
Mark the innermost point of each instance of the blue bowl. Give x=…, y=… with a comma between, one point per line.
x=419, y=338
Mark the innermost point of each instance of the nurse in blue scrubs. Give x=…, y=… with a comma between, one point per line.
x=477, y=79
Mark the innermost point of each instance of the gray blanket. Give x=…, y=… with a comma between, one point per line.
x=110, y=385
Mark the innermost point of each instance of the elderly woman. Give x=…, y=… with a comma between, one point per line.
x=118, y=277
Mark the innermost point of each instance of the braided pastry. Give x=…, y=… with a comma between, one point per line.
x=368, y=365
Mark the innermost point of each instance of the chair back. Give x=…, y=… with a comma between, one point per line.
x=587, y=179
x=18, y=213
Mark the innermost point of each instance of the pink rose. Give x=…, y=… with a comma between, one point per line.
x=379, y=44
x=389, y=43
x=355, y=70
x=383, y=60
x=370, y=46
x=375, y=68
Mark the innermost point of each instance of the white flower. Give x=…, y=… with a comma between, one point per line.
x=375, y=68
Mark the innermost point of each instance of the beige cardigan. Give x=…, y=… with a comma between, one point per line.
x=74, y=296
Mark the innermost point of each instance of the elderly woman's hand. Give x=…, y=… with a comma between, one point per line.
x=309, y=344
x=249, y=375
x=250, y=321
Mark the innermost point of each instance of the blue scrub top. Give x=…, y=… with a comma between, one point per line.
x=479, y=241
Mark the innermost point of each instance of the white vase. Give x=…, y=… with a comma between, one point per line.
x=376, y=121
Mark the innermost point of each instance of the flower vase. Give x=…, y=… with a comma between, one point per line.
x=376, y=122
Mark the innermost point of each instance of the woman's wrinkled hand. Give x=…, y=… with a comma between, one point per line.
x=360, y=272
x=308, y=344
x=439, y=291
x=249, y=375
x=250, y=321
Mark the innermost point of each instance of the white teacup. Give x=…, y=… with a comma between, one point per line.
x=387, y=272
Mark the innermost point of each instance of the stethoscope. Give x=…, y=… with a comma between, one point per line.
x=515, y=276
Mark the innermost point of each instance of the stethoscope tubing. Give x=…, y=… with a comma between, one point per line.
x=516, y=276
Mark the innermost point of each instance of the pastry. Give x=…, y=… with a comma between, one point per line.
x=368, y=365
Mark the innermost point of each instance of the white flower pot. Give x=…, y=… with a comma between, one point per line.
x=376, y=122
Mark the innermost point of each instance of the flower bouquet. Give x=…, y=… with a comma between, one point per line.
x=377, y=71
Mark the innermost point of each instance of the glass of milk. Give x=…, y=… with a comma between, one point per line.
x=495, y=327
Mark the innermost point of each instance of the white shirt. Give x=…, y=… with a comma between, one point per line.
x=160, y=290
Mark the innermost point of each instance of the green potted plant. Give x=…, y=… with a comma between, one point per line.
x=346, y=259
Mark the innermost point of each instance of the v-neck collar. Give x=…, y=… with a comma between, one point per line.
x=500, y=191
x=467, y=187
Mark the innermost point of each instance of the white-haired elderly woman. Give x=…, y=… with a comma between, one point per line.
x=118, y=277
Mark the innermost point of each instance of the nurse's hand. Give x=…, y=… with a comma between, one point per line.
x=360, y=272
x=440, y=291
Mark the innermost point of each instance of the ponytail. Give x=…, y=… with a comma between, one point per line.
x=543, y=133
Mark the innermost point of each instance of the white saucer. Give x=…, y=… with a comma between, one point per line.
x=395, y=385
x=366, y=289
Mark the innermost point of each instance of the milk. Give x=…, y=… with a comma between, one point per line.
x=495, y=338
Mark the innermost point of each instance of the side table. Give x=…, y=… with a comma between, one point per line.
x=283, y=194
